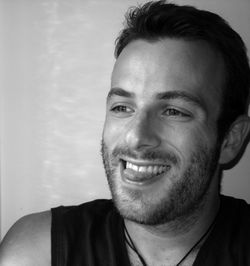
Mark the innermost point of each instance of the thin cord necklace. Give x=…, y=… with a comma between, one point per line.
x=130, y=242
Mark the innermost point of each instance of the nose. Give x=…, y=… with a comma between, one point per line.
x=142, y=132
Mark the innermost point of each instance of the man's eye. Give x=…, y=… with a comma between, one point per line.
x=121, y=109
x=174, y=112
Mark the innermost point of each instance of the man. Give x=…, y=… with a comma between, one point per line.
x=176, y=115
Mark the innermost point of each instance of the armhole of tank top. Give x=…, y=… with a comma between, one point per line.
x=57, y=235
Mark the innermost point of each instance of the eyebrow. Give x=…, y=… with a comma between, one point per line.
x=168, y=95
x=182, y=95
x=120, y=92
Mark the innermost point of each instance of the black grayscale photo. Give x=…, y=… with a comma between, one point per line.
x=125, y=129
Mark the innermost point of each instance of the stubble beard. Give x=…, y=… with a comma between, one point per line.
x=187, y=195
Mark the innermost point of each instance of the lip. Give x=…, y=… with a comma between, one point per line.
x=140, y=181
x=143, y=162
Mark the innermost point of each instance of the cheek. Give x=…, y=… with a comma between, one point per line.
x=187, y=138
x=205, y=135
x=112, y=132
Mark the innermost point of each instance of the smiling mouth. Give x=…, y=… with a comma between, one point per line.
x=142, y=173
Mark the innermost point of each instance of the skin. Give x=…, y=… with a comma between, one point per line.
x=28, y=242
x=143, y=128
x=150, y=130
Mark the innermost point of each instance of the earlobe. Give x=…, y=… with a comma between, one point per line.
x=234, y=140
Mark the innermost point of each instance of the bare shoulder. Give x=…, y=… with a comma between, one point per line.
x=28, y=241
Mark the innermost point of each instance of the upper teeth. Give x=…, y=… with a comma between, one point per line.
x=154, y=169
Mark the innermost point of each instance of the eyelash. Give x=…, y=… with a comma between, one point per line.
x=176, y=112
x=121, y=109
x=169, y=112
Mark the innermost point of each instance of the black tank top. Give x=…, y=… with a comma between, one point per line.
x=88, y=235
x=92, y=234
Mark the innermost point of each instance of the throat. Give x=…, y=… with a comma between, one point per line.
x=169, y=258
x=145, y=252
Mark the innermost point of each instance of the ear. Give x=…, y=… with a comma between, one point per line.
x=234, y=140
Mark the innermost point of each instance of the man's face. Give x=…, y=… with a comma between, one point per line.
x=159, y=145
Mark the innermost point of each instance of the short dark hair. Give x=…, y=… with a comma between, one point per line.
x=157, y=20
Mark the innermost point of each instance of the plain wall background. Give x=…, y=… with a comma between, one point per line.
x=56, y=61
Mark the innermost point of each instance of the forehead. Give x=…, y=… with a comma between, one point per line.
x=148, y=68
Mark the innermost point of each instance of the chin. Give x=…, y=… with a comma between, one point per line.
x=175, y=195
x=160, y=203
x=136, y=206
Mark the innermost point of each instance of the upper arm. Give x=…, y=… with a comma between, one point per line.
x=28, y=242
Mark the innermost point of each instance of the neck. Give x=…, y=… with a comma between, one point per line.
x=174, y=239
